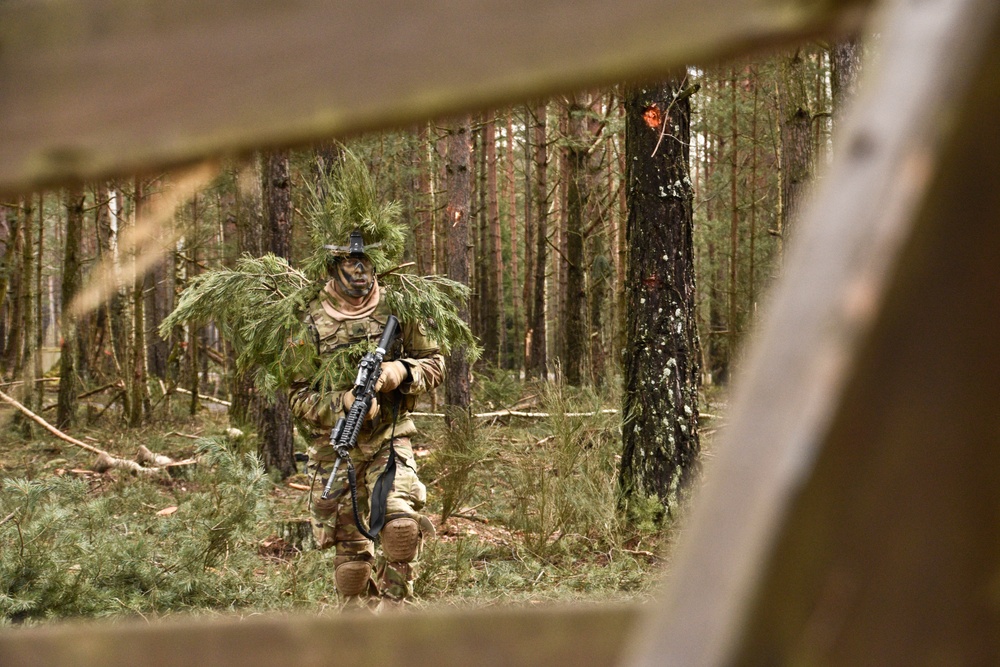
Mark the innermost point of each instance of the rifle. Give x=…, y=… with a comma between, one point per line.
x=344, y=436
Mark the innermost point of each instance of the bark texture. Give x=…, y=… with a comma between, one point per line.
x=538, y=365
x=277, y=445
x=662, y=374
x=457, y=384
x=67, y=402
x=575, y=347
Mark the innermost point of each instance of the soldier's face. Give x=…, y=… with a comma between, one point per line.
x=355, y=276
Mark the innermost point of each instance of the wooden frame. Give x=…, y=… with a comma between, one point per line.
x=94, y=88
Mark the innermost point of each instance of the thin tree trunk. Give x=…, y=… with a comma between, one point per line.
x=158, y=302
x=481, y=274
x=440, y=201
x=9, y=226
x=18, y=283
x=621, y=247
x=424, y=228
x=249, y=239
x=600, y=210
x=517, y=351
x=27, y=321
x=139, y=406
x=556, y=324
x=539, y=361
x=734, y=217
x=796, y=140
x=193, y=332
x=496, y=244
x=67, y=401
x=577, y=203
x=277, y=446
x=845, y=62
x=457, y=385
x=751, y=273
x=528, y=287
x=39, y=371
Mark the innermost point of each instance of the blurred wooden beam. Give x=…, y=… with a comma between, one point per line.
x=852, y=515
x=94, y=88
x=509, y=637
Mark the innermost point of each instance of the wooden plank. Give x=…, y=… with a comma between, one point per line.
x=92, y=88
x=852, y=516
x=492, y=638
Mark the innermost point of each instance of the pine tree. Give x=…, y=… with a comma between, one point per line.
x=457, y=389
x=662, y=376
x=66, y=407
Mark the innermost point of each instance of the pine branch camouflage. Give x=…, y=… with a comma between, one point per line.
x=258, y=304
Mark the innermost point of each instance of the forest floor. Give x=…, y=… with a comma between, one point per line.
x=525, y=510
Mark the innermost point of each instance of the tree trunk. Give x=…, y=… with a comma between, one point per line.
x=574, y=316
x=249, y=239
x=14, y=349
x=8, y=232
x=556, y=320
x=67, y=401
x=138, y=402
x=528, y=287
x=845, y=58
x=660, y=448
x=277, y=446
x=539, y=361
x=480, y=274
x=158, y=302
x=599, y=210
x=459, y=184
x=39, y=371
x=496, y=268
x=796, y=141
x=734, y=218
x=193, y=331
x=118, y=327
x=423, y=231
x=517, y=330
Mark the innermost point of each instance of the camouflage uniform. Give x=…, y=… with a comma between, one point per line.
x=358, y=574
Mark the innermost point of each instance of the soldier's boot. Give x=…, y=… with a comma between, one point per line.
x=401, y=538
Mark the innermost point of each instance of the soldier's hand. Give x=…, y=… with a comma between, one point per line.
x=347, y=400
x=394, y=373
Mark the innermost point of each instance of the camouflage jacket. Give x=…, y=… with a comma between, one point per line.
x=416, y=348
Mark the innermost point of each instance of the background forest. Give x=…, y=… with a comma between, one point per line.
x=524, y=485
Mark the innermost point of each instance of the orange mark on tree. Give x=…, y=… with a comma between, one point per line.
x=652, y=116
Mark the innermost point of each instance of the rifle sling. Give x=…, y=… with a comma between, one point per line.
x=380, y=493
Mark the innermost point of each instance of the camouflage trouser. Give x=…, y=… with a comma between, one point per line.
x=391, y=574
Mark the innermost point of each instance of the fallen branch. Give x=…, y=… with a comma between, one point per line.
x=18, y=383
x=210, y=399
x=49, y=427
x=184, y=435
x=105, y=461
x=110, y=385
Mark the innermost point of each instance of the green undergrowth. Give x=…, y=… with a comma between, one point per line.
x=529, y=505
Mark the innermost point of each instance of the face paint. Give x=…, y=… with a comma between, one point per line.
x=355, y=276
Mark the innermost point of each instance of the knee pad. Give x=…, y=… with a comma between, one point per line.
x=401, y=539
x=352, y=577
